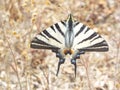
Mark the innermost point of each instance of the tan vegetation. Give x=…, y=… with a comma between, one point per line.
x=23, y=68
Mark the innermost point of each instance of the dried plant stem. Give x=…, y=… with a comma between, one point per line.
x=46, y=77
x=15, y=69
x=85, y=63
x=86, y=67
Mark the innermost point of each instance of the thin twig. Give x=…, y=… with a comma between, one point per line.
x=89, y=84
x=45, y=77
x=86, y=67
x=16, y=70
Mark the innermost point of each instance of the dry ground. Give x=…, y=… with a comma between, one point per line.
x=23, y=68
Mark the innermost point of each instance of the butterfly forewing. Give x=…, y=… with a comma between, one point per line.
x=52, y=37
x=88, y=40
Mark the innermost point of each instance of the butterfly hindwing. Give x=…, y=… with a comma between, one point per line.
x=88, y=40
x=51, y=38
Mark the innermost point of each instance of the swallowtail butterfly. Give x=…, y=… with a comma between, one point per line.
x=69, y=37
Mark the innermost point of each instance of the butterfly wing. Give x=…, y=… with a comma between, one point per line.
x=87, y=39
x=51, y=38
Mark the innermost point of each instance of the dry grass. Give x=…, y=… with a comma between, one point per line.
x=23, y=68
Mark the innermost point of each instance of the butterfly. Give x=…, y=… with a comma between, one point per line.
x=69, y=37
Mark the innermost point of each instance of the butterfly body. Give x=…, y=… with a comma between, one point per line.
x=69, y=37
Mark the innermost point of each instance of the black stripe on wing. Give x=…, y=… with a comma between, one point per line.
x=59, y=29
x=43, y=36
x=87, y=29
x=96, y=38
x=53, y=28
x=43, y=47
x=94, y=49
x=63, y=22
x=88, y=38
x=76, y=23
x=81, y=29
x=100, y=46
x=39, y=44
x=50, y=36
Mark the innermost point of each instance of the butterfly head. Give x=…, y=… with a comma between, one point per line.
x=70, y=17
x=70, y=22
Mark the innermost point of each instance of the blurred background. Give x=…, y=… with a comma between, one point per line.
x=23, y=68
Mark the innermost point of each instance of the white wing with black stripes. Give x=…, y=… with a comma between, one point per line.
x=87, y=39
x=51, y=38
